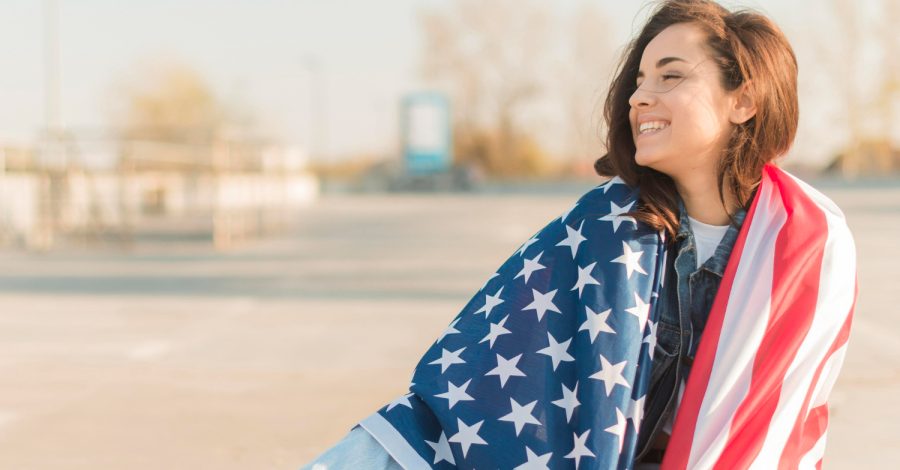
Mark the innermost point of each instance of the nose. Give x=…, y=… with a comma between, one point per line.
x=641, y=98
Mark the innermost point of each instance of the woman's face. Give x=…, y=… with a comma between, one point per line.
x=679, y=92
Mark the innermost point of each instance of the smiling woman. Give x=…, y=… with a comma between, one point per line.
x=724, y=88
x=691, y=312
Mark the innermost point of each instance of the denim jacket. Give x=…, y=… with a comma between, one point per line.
x=686, y=299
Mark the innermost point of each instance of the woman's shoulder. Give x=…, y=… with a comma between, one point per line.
x=794, y=192
x=611, y=200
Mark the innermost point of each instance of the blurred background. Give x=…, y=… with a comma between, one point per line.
x=229, y=229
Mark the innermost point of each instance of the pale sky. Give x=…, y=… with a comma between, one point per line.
x=252, y=52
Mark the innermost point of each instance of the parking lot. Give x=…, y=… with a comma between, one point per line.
x=172, y=355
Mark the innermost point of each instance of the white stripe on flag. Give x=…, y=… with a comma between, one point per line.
x=827, y=379
x=743, y=328
x=812, y=458
x=393, y=442
x=833, y=303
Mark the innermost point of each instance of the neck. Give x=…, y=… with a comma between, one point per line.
x=700, y=194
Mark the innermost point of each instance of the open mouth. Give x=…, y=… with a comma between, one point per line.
x=651, y=132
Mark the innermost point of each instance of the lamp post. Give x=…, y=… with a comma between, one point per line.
x=318, y=125
x=51, y=67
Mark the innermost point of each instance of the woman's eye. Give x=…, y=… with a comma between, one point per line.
x=664, y=78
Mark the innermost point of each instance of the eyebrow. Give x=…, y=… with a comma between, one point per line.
x=662, y=62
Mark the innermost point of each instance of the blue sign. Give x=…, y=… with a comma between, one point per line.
x=425, y=128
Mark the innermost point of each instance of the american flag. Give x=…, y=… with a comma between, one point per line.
x=775, y=339
x=548, y=365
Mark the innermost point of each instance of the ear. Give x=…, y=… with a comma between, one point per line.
x=744, y=106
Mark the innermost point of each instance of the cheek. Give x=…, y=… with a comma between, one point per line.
x=697, y=122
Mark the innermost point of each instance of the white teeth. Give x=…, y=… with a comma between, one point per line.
x=653, y=125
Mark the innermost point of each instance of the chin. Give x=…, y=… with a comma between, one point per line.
x=646, y=159
x=654, y=161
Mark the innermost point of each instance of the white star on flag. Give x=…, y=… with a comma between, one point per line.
x=616, y=215
x=451, y=330
x=580, y=450
x=442, y=449
x=630, y=260
x=529, y=242
x=573, y=238
x=505, y=369
x=520, y=415
x=636, y=412
x=542, y=303
x=557, y=351
x=650, y=339
x=618, y=429
x=401, y=400
x=455, y=394
x=497, y=329
x=535, y=462
x=585, y=278
x=565, y=214
x=611, y=374
x=641, y=310
x=569, y=401
x=448, y=358
x=467, y=435
x=490, y=301
x=596, y=323
x=529, y=266
x=489, y=280
x=616, y=180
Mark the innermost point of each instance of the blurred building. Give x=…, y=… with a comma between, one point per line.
x=98, y=187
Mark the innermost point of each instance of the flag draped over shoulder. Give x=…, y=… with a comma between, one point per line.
x=548, y=365
x=775, y=339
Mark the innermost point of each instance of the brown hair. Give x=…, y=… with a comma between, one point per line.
x=746, y=46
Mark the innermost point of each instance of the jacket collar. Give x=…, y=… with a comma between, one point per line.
x=717, y=262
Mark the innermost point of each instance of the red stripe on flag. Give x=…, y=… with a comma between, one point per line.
x=678, y=449
x=807, y=431
x=799, y=249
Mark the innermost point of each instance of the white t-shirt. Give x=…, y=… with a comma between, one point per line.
x=707, y=238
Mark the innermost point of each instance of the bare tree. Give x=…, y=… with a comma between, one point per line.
x=167, y=115
x=169, y=102
x=868, y=111
x=889, y=92
x=584, y=81
x=489, y=56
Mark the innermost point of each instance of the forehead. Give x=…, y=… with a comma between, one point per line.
x=684, y=40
